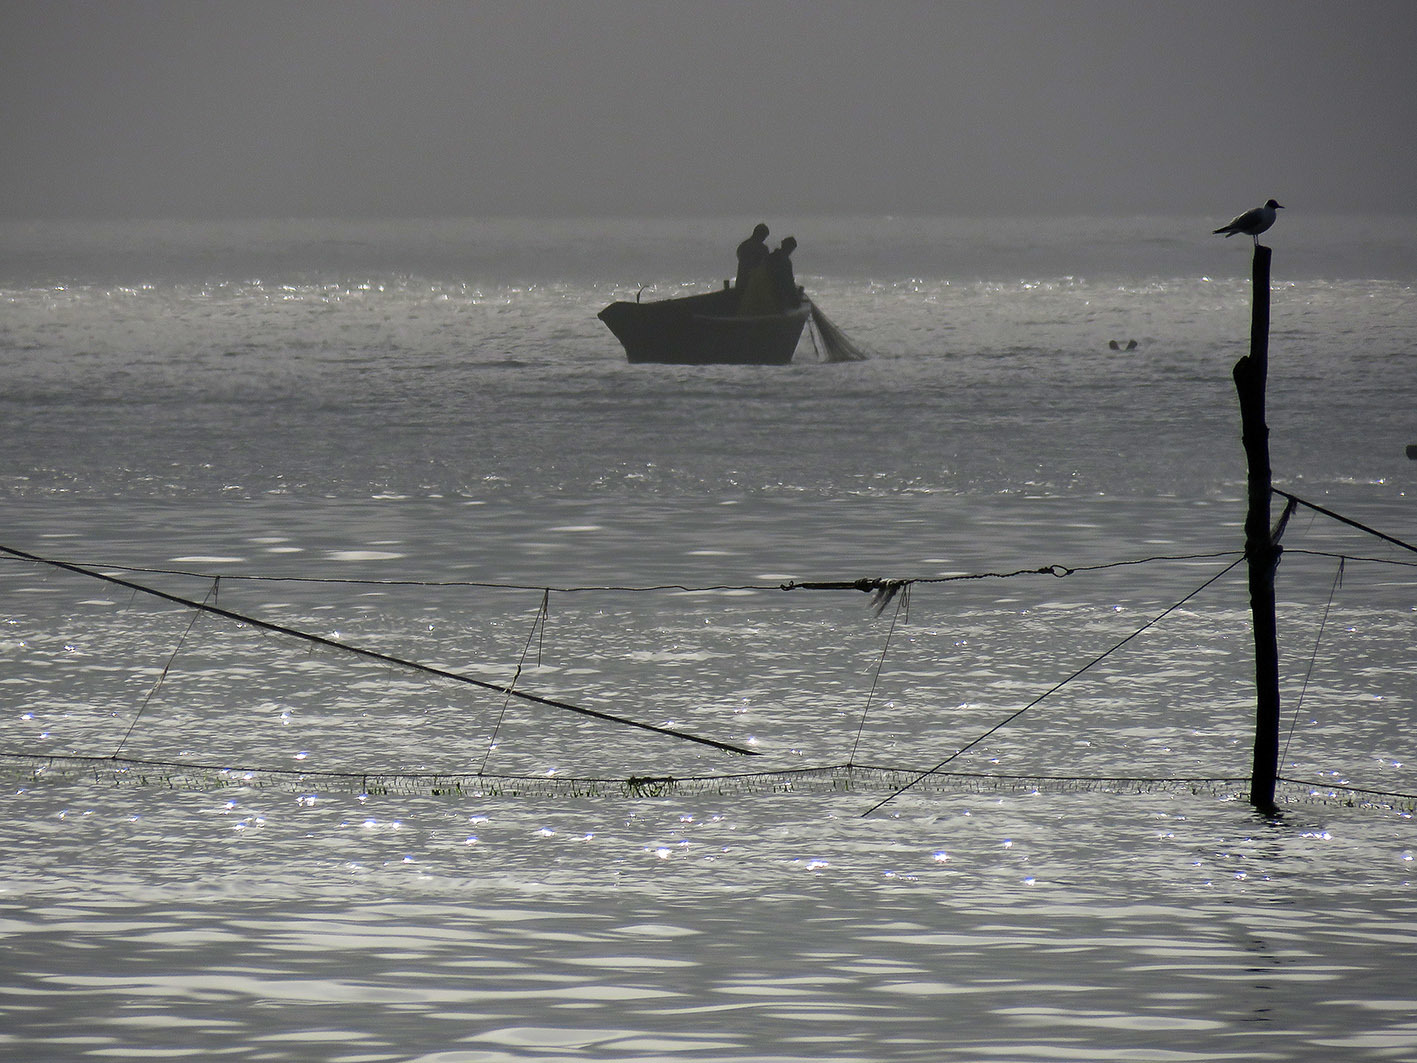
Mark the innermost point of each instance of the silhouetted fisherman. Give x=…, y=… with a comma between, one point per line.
x=752, y=253
x=784, y=283
x=1252, y=222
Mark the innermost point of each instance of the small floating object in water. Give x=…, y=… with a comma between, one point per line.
x=1412, y=451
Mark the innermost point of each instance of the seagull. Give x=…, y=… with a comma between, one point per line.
x=1252, y=222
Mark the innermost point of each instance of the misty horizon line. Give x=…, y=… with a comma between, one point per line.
x=736, y=217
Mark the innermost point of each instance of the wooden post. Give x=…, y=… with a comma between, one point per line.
x=1261, y=545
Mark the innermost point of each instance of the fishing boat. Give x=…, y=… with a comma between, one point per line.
x=705, y=330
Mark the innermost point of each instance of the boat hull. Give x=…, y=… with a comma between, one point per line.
x=704, y=330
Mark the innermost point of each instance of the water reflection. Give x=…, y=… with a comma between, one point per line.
x=867, y=973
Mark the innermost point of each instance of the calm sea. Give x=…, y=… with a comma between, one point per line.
x=415, y=438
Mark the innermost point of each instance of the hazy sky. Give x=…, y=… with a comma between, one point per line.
x=232, y=108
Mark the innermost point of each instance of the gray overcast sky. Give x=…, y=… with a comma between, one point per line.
x=209, y=108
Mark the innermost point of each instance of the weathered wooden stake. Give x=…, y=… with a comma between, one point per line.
x=1261, y=544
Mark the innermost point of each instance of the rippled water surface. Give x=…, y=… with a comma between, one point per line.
x=417, y=440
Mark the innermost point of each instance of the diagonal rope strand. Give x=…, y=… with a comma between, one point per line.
x=900, y=606
x=162, y=676
x=1318, y=640
x=538, y=624
x=1054, y=689
x=1296, y=500
x=375, y=655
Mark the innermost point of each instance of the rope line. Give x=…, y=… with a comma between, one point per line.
x=867, y=584
x=162, y=676
x=537, y=625
x=871, y=585
x=1313, y=657
x=1345, y=788
x=901, y=606
x=1345, y=520
x=1352, y=558
x=1056, y=687
x=360, y=651
x=886, y=587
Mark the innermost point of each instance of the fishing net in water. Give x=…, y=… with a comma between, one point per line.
x=20, y=770
x=836, y=346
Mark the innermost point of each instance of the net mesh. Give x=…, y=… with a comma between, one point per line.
x=25, y=768
x=836, y=345
x=20, y=770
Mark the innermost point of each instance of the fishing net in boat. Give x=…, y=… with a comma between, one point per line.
x=836, y=346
